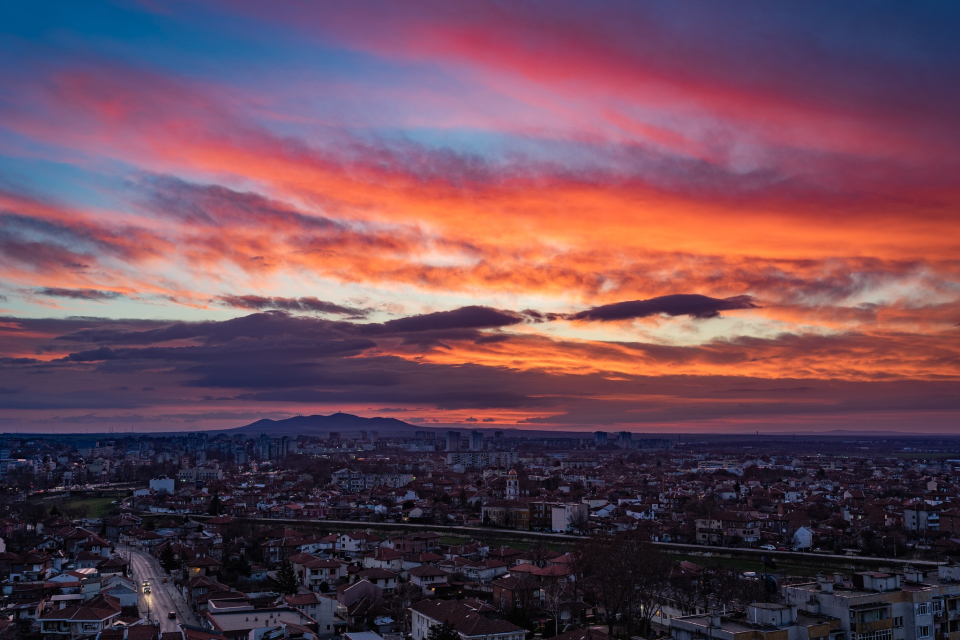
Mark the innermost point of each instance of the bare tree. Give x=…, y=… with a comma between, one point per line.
x=626, y=575
x=580, y=522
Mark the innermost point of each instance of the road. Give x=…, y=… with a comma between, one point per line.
x=163, y=597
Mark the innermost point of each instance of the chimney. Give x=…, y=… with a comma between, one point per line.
x=838, y=578
x=825, y=585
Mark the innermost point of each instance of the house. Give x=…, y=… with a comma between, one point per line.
x=384, y=558
x=357, y=542
x=468, y=617
x=803, y=538
x=246, y=622
x=82, y=619
x=321, y=608
x=204, y=566
x=485, y=570
x=430, y=579
x=123, y=589
x=386, y=580
x=360, y=602
x=316, y=572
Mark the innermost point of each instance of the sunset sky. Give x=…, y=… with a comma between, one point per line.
x=654, y=216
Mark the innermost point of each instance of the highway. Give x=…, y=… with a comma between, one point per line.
x=163, y=597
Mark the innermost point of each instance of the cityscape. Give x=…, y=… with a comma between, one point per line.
x=479, y=320
x=501, y=535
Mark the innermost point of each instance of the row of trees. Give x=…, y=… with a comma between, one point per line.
x=631, y=580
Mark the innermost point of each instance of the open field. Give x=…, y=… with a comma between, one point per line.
x=521, y=545
x=87, y=507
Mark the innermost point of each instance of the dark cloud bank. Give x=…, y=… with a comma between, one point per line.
x=255, y=361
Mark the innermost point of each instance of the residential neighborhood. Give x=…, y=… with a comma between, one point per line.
x=210, y=536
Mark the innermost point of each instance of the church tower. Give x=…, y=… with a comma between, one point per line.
x=513, y=486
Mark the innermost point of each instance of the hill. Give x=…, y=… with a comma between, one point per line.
x=323, y=425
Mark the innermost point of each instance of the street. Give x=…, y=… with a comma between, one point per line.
x=163, y=597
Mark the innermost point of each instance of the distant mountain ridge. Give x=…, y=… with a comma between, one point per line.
x=322, y=425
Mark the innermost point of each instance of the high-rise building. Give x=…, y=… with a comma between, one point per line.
x=476, y=441
x=600, y=438
x=453, y=441
x=626, y=440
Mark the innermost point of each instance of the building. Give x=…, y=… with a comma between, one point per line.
x=761, y=621
x=453, y=441
x=162, y=484
x=78, y=620
x=883, y=606
x=568, y=516
x=600, y=438
x=476, y=441
x=200, y=475
x=482, y=459
x=357, y=480
x=247, y=622
x=471, y=619
x=513, y=486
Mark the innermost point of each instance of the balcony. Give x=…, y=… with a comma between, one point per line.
x=870, y=627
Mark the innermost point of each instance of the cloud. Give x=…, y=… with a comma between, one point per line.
x=681, y=304
x=79, y=294
x=290, y=304
x=471, y=317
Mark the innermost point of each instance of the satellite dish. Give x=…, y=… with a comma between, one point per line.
x=771, y=585
x=768, y=562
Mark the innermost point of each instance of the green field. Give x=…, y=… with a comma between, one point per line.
x=520, y=545
x=785, y=566
x=93, y=507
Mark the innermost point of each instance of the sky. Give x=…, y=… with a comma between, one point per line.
x=658, y=217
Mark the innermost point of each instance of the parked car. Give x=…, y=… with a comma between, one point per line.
x=172, y=615
x=768, y=547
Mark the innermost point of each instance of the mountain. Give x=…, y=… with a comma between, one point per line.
x=323, y=425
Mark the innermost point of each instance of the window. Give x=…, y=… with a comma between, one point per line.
x=923, y=631
x=898, y=622
x=938, y=606
x=923, y=608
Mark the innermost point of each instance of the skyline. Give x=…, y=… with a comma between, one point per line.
x=661, y=218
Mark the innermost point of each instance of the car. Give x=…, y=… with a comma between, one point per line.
x=146, y=590
x=172, y=615
x=768, y=547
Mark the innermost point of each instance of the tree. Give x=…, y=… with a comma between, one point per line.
x=444, y=631
x=628, y=577
x=286, y=581
x=167, y=558
x=556, y=600
x=580, y=522
x=215, y=504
